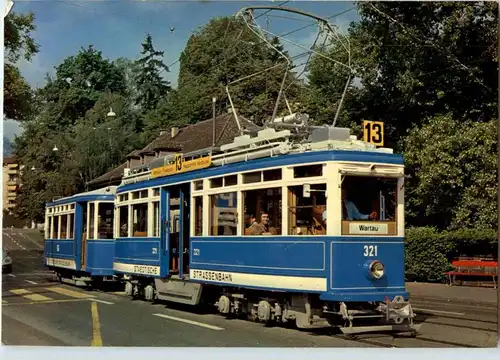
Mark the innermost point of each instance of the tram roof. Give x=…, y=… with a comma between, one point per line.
x=104, y=194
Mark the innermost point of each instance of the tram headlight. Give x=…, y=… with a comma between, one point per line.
x=377, y=269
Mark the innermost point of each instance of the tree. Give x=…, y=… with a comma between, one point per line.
x=453, y=170
x=418, y=60
x=18, y=44
x=223, y=51
x=79, y=82
x=151, y=86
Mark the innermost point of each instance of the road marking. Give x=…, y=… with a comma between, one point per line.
x=43, y=302
x=96, y=326
x=102, y=301
x=212, y=327
x=31, y=282
x=12, y=275
x=118, y=293
x=37, y=297
x=439, y=311
x=20, y=291
x=71, y=293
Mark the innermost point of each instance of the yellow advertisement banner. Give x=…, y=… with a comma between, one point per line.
x=180, y=166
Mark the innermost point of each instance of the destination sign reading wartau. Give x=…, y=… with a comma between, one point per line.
x=180, y=165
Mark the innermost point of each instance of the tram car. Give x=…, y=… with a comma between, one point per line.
x=79, y=238
x=281, y=226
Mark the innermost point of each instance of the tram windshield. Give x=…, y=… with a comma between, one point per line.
x=369, y=199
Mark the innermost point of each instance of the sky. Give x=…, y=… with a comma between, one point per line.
x=117, y=28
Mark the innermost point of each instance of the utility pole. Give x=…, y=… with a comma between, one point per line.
x=214, y=99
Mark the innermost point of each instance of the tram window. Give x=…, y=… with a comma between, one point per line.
x=198, y=216
x=306, y=214
x=64, y=226
x=156, y=219
x=216, y=183
x=156, y=192
x=91, y=221
x=105, y=221
x=252, y=177
x=223, y=214
x=71, y=219
x=272, y=175
x=72, y=206
x=84, y=217
x=198, y=185
x=123, y=197
x=49, y=228
x=140, y=217
x=369, y=198
x=123, y=217
x=230, y=180
x=55, y=229
x=307, y=171
x=262, y=207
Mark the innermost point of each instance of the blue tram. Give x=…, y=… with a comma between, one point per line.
x=79, y=238
x=275, y=227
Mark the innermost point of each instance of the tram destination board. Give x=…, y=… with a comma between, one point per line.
x=373, y=132
x=180, y=165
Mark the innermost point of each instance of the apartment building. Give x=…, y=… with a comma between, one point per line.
x=11, y=179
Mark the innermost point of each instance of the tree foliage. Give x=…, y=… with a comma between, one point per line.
x=150, y=84
x=453, y=169
x=19, y=43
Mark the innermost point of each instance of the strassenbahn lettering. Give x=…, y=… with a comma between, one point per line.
x=212, y=275
x=143, y=269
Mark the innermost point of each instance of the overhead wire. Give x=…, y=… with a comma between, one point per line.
x=258, y=43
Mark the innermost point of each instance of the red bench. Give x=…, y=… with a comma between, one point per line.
x=478, y=268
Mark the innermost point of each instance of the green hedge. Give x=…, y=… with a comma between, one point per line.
x=429, y=252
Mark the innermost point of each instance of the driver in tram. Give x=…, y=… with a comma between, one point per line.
x=350, y=211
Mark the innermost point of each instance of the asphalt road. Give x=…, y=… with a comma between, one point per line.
x=37, y=310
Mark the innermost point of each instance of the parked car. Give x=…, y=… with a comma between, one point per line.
x=6, y=262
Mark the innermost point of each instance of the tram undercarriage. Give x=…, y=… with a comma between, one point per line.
x=273, y=308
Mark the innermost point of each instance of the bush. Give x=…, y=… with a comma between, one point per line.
x=429, y=253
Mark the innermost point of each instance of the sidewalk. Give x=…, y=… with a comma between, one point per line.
x=467, y=294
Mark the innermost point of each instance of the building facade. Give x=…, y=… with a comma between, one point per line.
x=200, y=135
x=11, y=180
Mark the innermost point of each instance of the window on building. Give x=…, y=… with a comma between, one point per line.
x=91, y=221
x=262, y=209
x=55, y=229
x=140, y=220
x=71, y=219
x=156, y=219
x=223, y=214
x=105, y=221
x=123, y=221
x=198, y=216
x=64, y=226
x=308, y=171
x=307, y=215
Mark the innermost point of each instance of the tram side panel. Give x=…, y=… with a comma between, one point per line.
x=353, y=262
x=137, y=256
x=270, y=263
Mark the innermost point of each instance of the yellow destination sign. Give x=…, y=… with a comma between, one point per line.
x=180, y=166
x=373, y=132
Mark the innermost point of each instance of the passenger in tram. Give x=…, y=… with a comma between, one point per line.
x=262, y=228
x=350, y=211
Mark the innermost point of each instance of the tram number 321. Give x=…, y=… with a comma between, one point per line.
x=370, y=250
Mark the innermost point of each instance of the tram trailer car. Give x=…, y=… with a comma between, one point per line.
x=79, y=239
x=184, y=231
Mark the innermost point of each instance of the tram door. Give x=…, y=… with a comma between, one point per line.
x=185, y=226
x=173, y=229
x=84, y=235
